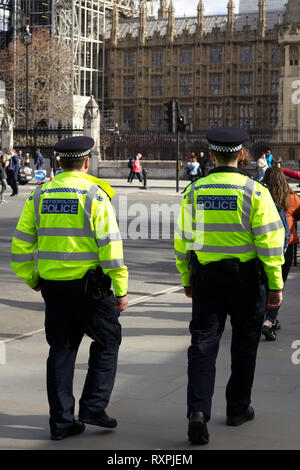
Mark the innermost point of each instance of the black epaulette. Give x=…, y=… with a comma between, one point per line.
x=104, y=191
x=263, y=184
x=200, y=177
x=245, y=173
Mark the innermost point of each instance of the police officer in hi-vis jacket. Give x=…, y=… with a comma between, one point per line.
x=228, y=231
x=71, y=222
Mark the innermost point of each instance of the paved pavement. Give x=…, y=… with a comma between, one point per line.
x=149, y=399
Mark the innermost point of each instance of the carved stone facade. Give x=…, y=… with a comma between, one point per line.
x=225, y=70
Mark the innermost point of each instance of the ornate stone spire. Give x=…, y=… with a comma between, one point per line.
x=292, y=12
x=115, y=26
x=200, y=19
x=230, y=17
x=143, y=22
x=163, y=9
x=262, y=21
x=171, y=22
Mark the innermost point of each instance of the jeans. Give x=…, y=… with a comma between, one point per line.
x=3, y=189
x=261, y=175
x=138, y=175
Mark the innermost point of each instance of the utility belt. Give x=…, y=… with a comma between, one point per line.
x=224, y=267
x=96, y=284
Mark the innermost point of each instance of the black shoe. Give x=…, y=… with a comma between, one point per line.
x=102, y=420
x=197, y=432
x=269, y=332
x=241, y=419
x=76, y=428
x=276, y=325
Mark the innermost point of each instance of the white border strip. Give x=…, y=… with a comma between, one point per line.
x=137, y=301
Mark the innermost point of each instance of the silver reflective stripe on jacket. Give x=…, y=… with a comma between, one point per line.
x=230, y=250
x=267, y=228
x=66, y=256
x=112, y=237
x=25, y=237
x=112, y=264
x=22, y=258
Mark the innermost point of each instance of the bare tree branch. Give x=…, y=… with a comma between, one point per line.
x=50, y=78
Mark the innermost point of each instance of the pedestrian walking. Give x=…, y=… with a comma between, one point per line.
x=288, y=201
x=80, y=252
x=12, y=173
x=269, y=157
x=54, y=162
x=130, y=166
x=20, y=158
x=137, y=168
x=262, y=166
x=203, y=161
x=3, y=178
x=232, y=227
x=39, y=160
x=194, y=169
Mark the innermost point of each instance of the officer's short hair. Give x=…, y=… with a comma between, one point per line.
x=227, y=156
x=71, y=164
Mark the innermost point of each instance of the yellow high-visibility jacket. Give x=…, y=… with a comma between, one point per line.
x=72, y=223
x=229, y=215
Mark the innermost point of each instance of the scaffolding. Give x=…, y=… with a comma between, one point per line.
x=82, y=23
x=6, y=9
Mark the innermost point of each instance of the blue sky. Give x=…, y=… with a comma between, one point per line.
x=189, y=7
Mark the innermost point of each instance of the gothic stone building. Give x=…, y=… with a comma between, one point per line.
x=235, y=69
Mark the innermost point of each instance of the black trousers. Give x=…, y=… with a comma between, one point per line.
x=12, y=180
x=216, y=294
x=68, y=317
x=130, y=176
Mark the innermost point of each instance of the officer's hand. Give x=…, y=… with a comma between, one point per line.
x=188, y=292
x=275, y=299
x=37, y=289
x=122, y=304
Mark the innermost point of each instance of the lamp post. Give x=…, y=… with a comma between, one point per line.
x=116, y=133
x=27, y=38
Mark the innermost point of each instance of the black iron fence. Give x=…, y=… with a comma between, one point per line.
x=43, y=138
x=152, y=145
x=159, y=146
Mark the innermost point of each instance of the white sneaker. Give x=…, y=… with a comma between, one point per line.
x=4, y=202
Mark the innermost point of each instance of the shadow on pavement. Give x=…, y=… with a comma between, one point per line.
x=28, y=427
x=36, y=306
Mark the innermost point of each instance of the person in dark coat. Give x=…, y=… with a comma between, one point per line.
x=203, y=161
x=12, y=173
x=53, y=162
x=38, y=160
x=3, y=178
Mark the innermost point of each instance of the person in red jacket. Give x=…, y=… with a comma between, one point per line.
x=137, y=168
x=285, y=198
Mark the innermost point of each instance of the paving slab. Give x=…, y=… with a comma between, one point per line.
x=149, y=398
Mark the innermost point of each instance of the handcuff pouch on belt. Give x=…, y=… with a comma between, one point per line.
x=96, y=284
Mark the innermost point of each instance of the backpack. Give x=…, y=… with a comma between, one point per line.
x=285, y=223
x=130, y=163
